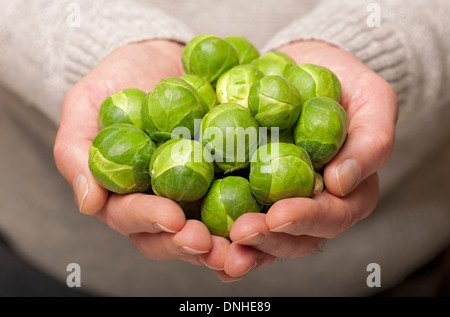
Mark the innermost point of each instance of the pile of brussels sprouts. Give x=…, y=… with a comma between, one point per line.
x=236, y=133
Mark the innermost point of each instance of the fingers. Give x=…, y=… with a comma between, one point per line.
x=370, y=141
x=326, y=215
x=158, y=228
x=71, y=150
x=192, y=240
x=242, y=259
x=134, y=213
x=297, y=227
x=252, y=230
x=294, y=228
x=215, y=258
x=192, y=244
x=71, y=158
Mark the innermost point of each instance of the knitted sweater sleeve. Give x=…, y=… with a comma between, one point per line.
x=47, y=45
x=406, y=42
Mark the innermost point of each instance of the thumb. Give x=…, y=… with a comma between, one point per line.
x=77, y=129
x=369, y=144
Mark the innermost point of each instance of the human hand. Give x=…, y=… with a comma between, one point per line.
x=157, y=226
x=297, y=227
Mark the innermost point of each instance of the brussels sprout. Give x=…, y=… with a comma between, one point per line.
x=314, y=81
x=319, y=186
x=243, y=172
x=205, y=92
x=181, y=170
x=273, y=63
x=227, y=199
x=321, y=129
x=119, y=159
x=279, y=171
x=247, y=52
x=122, y=107
x=208, y=56
x=274, y=102
x=172, y=104
x=231, y=135
x=234, y=85
x=283, y=136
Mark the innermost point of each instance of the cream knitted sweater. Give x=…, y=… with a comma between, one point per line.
x=47, y=46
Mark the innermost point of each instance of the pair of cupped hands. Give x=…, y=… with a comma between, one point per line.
x=291, y=228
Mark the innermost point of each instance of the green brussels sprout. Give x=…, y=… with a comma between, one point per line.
x=283, y=136
x=122, y=107
x=273, y=63
x=205, y=92
x=321, y=129
x=230, y=133
x=314, y=81
x=181, y=170
x=234, y=85
x=119, y=159
x=247, y=52
x=243, y=172
x=208, y=56
x=227, y=199
x=274, y=102
x=279, y=171
x=172, y=104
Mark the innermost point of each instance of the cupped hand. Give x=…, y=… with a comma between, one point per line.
x=157, y=226
x=297, y=227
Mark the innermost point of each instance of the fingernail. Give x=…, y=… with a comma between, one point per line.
x=348, y=174
x=190, y=251
x=160, y=227
x=245, y=273
x=209, y=266
x=253, y=267
x=81, y=190
x=284, y=228
x=253, y=239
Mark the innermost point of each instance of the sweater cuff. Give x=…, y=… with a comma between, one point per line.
x=348, y=25
x=103, y=30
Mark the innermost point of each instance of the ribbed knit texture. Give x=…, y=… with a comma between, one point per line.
x=44, y=54
x=408, y=49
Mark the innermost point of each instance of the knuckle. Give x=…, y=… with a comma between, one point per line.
x=60, y=152
x=311, y=247
x=282, y=205
x=372, y=183
x=345, y=220
x=316, y=246
x=384, y=141
x=381, y=145
x=115, y=224
x=141, y=243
